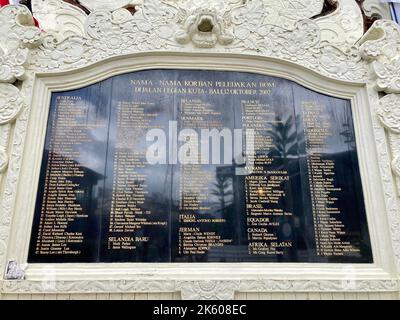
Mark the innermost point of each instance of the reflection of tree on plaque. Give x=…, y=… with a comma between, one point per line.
x=347, y=125
x=223, y=191
x=285, y=152
x=229, y=189
x=284, y=137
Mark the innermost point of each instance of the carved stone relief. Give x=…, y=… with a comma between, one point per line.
x=344, y=26
x=14, y=271
x=238, y=28
x=375, y=8
x=60, y=17
x=381, y=47
x=198, y=289
x=279, y=29
x=93, y=5
x=17, y=37
x=389, y=112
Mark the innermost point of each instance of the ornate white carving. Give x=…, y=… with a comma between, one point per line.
x=391, y=197
x=88, y=286
x=389, y=112
x=205, y=28
x=60, y=17
x=16, y=35
x=380, y=46
x=394, y=143
x=381, y=42
x=3, y=160
x=11, y=102
x=274, y=12
x=237, y=29
x=12, y=65
x=287, y=12
x=387, y=76
x=14, y=165
x=14, y=271
x=93, y=5
x=344, y=26
x=208, y=290
x=396, y=165
x=375, y=8
x=317, y=285
x=17, y=28
x=4, y=137
x=197, y=289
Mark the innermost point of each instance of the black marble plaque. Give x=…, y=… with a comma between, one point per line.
x=100, y=200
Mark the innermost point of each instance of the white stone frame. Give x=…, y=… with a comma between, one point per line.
x=23, y=114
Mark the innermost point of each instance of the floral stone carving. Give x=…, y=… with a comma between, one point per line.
x=389, y=112
x=11, y=102
x=205, y=28
x=208, y=290
x=14, y=271
x=387, y=76
x=109, y=5
x=60, y=17
x=17, y=34
x=224, y=27
x=3, y=160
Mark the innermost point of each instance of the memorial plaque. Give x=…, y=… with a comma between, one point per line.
x=100, y=199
